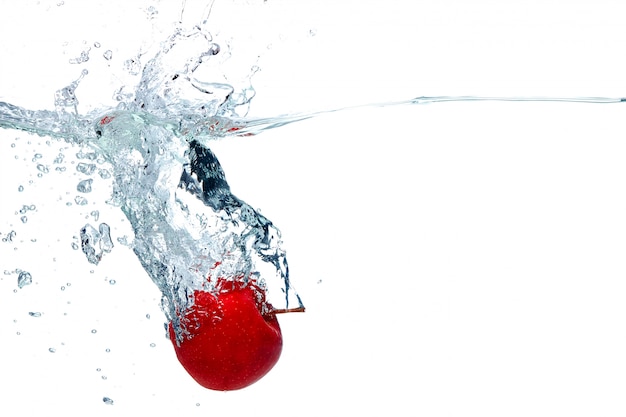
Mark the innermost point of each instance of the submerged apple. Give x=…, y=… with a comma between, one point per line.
x=233, y=337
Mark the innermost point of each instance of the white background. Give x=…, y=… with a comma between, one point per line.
x=455, y=259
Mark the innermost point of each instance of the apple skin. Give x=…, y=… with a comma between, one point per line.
x=231, y=344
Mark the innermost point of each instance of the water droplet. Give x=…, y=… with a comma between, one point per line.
x=52, y=350
x=84, y=168
x=107, y=401
x=83, y=57
x=34, y=314
x=104, y=174
x=112, y=281
x=215, y=49
x=81, y=201
x=20, y=188
x=133, y=66
x=84, y=186
x=24, y=278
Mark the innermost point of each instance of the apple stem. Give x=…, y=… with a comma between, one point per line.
x=288, y=310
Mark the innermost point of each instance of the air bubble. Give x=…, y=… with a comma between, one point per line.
x=108, y=54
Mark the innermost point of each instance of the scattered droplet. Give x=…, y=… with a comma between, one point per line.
x=107, y=350
x=52, y=350
x=20, y=188
x=34, y=314
x=152, y=344
x=86, y=169
x=108, y=54
x=80, y=200
x=94, y=331
x=83, y=57
x=23, y=279
x=148, y=316
x=96, y=44
x=62, y=287
x=42, y=168
x=24, y=219
x=107, y=401
x=112, y=281
x=133, y=66
x=104, y=173
x=84, y=186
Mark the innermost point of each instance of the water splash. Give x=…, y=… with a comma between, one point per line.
x=155, y=148
x=189, y=229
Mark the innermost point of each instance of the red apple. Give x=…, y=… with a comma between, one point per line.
x=231, y=344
